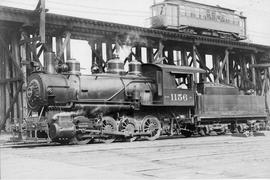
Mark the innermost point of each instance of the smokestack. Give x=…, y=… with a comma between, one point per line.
x=49, y=62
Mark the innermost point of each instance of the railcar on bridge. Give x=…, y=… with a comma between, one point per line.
x=197, y=18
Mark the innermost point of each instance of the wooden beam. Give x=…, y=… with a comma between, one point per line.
x=131, y=54
x=178, y=58
x=24, y=58
x=253, y=71
x=93, y=56
x=194, y=56
x=227, y=67
x=38, y=5
x=109, y=50
x=262, y=66
x=244, y=77
x=19, y=110
x=216, y=62
x=13, y=86
x=184, y=58
x=159, y=52
x=68, y=50
x=114, y=48
x=63, y=47
x=202, y=63
x=188, y=57
x=2, y=86
x=170, y=56
x=11, y=80
x=33, y=47
x=59, y=43
x=42, y=21
x=40, y=51
x=129, y=57
x=225, y=60
x=34, y=53
x=231, y=68
x=9, y=73
x=264, y=82
x=150, y=55
x=48, y=45
x=97, y=55
x=155, y=52
x=98, y=52
x=138, y=53
x=268, y=81
x=14, y=99
x=3, y=43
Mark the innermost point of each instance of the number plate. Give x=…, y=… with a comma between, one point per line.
x=179, y=97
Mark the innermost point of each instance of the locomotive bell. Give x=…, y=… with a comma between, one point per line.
x=115, y=66
x=135, y=67
x=73, y=66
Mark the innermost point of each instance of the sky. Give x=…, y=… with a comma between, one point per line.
x=136, y=12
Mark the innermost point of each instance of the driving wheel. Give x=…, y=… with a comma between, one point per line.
x=108, y=125
x=151, y=125
x=80, y=138
x=129, y=126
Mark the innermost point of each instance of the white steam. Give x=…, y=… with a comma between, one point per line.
x=124, y=52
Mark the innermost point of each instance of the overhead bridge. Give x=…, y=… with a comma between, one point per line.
x=26, y=34
x=81, y=28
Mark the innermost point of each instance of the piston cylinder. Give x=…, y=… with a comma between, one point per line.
x=62, y=127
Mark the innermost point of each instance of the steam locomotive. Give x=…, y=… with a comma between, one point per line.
x=147, y=101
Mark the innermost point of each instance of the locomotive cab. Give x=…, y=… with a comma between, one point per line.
x=175, y=84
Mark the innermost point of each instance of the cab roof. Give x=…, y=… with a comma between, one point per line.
x=176, y=69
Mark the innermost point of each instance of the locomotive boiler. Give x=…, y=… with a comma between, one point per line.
x=147, y=101
x=94, y=93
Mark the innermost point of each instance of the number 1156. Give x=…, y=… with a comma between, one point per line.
x=179, y=97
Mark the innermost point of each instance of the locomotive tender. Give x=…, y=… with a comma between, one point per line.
x=147, y=101
x=199, y=19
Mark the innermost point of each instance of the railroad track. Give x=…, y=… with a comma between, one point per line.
x=34, y=144
x=26, y=144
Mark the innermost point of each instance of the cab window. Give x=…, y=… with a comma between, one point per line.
x=183, y=81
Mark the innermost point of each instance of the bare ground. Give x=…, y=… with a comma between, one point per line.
x=214, y=157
